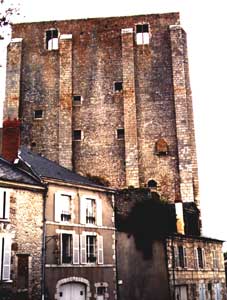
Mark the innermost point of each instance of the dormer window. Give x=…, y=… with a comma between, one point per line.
x=142, y=34
x=52, y=39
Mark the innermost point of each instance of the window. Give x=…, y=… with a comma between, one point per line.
x=101, y=292
x=62, y=207
x=77, y=100
x=152, y=184
x=69, y=248
x=52, y=39
x=199, y=258
x=118, y=86
x=38, y=114
x=4, y=204
x=5, y=257
x=215, y=259
x=142, y=34
x=161, y=147
x=77, y=135
x=91, y=211
x=180, y=257
x=120, y=134
x=91, y=250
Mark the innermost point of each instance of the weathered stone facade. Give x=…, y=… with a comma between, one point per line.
x=154, y=101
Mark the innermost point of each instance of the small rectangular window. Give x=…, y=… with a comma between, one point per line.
x=118, y=86
x=142, y=34
x=91, y=244
x=67, y=248
x=38, y=114
x=77, y=135
x=90, y=211
x=4, y=204
x=77, y=100
x=52, y=39
x=120, y=134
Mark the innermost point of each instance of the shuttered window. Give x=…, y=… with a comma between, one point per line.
x=62, y=205
x=4, y=204
x=52, y=39
x=91, y=211
x=100, y=249
x=142, y=34
x=5, y=257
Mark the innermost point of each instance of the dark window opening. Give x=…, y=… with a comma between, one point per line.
x=77, y=135
x=77, y=100
x=141, y=28
x=66, y=248
x=181, y=256
x=118, y=86
x=52, y=39
x=38, y=114
x=22, y=271
x=91, y=248
x=200, y=258
x=152, y=184
x=101, y=291
x=120, y=134
x=90, y=211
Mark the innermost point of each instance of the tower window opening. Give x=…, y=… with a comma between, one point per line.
x=152, y=184
x=118, y=86
x=52, y=39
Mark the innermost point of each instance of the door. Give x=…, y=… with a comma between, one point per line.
x=181, y=292
x=72, y=291
x=202, y=291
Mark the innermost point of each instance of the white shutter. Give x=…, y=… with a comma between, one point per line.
x=83, y=210
x=57, y=207
x=0, y=257
x=99, y=212
x=100, y=249
x=1, y=203
x=204, y=258
x=76, y=249
x=185, y=257
x=196, y=259
x=139, y=38
x=6, y=258
x=61, y=248
x=83, y=250
x=7, y=204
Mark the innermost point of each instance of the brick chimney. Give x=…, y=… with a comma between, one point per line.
x=10, y=139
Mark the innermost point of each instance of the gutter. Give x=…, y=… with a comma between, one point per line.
x=43, y=258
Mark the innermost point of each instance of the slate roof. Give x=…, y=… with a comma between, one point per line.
x=9, y=172
x=45, y=168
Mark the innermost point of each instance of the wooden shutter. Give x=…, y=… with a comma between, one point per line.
x=185, y=257
x=196, y=259
x=100, y=249
x=176, y=257
x=6, y=258
x=204, y=258
x=1, y=203
x=99, y=212
x=82, y=210
x=57, y=207
x=76, y=249
x=83, y=250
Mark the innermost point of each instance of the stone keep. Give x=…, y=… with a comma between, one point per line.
x=104, y=95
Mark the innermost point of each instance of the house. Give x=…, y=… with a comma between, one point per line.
x=79, y=230
x=21, y=233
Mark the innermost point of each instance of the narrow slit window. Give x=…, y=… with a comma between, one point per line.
x=38, y=114
x=77, y=135
x=120, y=134
x=142, y=34
x=77, y=100
x=52, y=39
x=118, y=86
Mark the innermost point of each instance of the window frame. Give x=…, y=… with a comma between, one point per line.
x=59, y=209
x=81, y=135
x=99, y=250
x=117, y=90
x=98, y=212
x=77, y=102
x=5, y=257
x=52, y=39
x=142, y=38
x=120, y=135
x=4, y=205
x=38, y=118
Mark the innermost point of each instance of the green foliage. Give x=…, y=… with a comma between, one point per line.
x=98, y=180
x=146, y=216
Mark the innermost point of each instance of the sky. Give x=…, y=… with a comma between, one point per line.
x=205, y=23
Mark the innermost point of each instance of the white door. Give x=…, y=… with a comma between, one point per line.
x=181, y=292
x=202, y=291
x=72, y=291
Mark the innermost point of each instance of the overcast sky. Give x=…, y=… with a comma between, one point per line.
x=205, y=23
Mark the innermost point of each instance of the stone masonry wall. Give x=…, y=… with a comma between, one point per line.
x=25, y=226
x=97, y=62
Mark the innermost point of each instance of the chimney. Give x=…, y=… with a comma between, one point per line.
x=10, y=139
x=179, y=217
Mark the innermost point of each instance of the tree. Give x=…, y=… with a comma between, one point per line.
x=7, y=11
